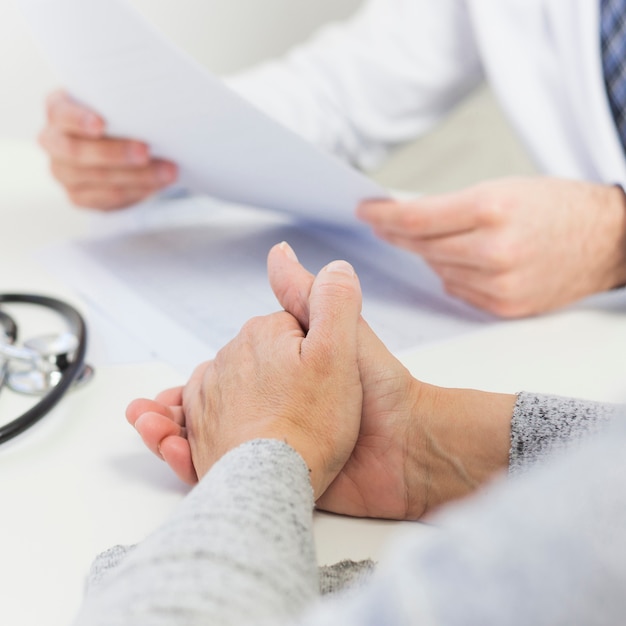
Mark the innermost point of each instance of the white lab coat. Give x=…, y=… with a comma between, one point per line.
x=398, y=66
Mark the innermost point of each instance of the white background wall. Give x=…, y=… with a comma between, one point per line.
x=225, y=35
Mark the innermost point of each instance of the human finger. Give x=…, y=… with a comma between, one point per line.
x=428, y=216
x=65, y=113
x=176, y=452
x=474, y=250
x=290, y=282
x=141, y=406
x=153, y=427
x=335, y=308
x=99, y=151
x=491, y=300
x=504, y=285
x=480, y=300
x=154, y=175
x=107, y=198
x=171, y=397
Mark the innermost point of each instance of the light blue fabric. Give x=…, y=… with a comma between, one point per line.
x=613, y=46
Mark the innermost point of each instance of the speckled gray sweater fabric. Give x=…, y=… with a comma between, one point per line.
x=542, y=425
x=545, y=546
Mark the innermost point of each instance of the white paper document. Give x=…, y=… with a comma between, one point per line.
x=183, y=286
x=111, y=59
x=179, y=289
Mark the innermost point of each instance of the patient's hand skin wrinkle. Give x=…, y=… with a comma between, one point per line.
x=417, y=447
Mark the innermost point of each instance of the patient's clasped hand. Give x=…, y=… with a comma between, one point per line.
x=378, y=442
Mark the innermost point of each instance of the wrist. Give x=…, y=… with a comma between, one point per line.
x=323, y=454
x=319, y=474
x=614, y=210
x=459, y=440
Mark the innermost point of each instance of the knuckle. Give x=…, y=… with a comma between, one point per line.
x=253, y=328
x=411, y=220
x=337, y=289
x=490, y=209
x=506, y=301
x=99, y=176
x=499, y=254
x=71, y=148
x=149, y=177
x=505, y=286
x=111, y=152
x=103, y=177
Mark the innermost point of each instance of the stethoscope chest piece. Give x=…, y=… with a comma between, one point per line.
x=38, y=366
x=46, y=366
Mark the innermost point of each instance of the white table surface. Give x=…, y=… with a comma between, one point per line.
x=81, y=481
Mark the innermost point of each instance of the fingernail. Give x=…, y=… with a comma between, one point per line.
x=288, y=250
x=165, y=173
x=137, y=153
x=340, y=267
x=92, y=124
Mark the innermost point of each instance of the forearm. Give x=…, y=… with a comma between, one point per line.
x=463, y=438
x=542, y=425
x=459, y=440
x=239, y=547
x=543, y=548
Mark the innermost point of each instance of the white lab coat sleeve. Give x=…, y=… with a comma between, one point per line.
x=382, y=78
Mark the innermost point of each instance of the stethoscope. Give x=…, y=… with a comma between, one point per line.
x=45, y=366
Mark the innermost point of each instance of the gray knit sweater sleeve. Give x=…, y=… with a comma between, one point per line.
x=544, y=424
x=239, y=549
x=544, y=548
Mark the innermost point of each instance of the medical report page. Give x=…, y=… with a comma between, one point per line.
x=183, y=275
x=108, y=57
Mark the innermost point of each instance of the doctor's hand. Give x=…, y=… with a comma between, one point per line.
x=517, y=246
x=96, y=170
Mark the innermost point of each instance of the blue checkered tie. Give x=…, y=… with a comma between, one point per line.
x=613, y=45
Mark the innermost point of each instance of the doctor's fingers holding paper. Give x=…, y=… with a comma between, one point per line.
x=96, y=170
x=515, y=246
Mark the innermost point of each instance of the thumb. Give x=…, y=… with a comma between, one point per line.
x=335, y=309
x=290, y=282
